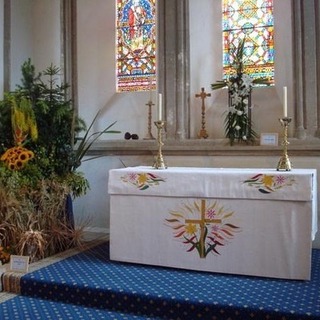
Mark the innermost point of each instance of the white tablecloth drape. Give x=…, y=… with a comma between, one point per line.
x=242, y=221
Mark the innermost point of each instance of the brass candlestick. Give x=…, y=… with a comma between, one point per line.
x=159, y=161
x=284, y=162
x=149, y=135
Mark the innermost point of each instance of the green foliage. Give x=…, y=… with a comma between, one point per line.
x=55, y=156
x=6, y=134
x=87, y=141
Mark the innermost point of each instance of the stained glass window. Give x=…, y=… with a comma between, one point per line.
x=136, y=45
x=253, y=21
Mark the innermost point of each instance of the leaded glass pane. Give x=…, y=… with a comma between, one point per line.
x=136, y=45
x=252, y=19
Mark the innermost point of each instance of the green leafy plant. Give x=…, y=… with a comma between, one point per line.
x=56, y=156
x=87, y=141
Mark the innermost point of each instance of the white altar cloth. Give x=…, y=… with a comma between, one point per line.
x=258, y=222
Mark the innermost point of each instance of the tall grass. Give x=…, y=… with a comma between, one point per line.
x=34, y=222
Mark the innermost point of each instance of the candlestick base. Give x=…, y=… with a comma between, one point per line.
x=203, y=134
x=284, y=163
x=159, y=162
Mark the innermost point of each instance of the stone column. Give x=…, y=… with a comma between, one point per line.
x=69, y=59
x=306, y=71
x=69, y=47
x=173, y=65
x=7, y=46
x=317, y=37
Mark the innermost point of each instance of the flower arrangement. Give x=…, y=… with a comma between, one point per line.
x=238, y=124
x=16, y=157
x=39, y=157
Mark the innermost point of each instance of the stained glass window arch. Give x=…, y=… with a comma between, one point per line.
x=253, y=21
x=135, y=45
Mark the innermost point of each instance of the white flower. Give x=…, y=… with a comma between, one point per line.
x=233, y=87
x=244, y=92
x=239, y=113
x=235, y=98
x=247, y=81
x=232, y=109
x=245, y=101
x=237, y=128
x=244, y=137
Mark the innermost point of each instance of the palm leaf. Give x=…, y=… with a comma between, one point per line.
x=89, y=139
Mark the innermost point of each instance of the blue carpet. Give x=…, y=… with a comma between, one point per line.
x=27, y=308
x=90, y=280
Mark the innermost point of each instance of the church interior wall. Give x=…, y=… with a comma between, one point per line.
x=96, y=72
x=21, y=38
x=46, y=13
x=206, y=65
x=35, y=34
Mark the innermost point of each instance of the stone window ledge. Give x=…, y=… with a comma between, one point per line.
x=201, y=147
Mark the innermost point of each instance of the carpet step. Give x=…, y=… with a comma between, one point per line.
x=28, y=308
x=10, y=281
x=90, y=280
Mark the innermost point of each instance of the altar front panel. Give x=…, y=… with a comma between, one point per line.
x=246, y=222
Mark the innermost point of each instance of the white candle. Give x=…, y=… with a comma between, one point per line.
x=160, y=107
x=285, y=101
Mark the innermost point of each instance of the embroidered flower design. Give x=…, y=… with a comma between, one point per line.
x=142, y=180
x=266, y=183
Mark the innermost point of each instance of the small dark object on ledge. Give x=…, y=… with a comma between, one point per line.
x=129, y=136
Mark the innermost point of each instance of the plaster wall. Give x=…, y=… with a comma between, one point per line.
x=35, y=34
x=206, y=68
x=46, y=26
x=21, y=38
x=96, y=67
x=97, y=75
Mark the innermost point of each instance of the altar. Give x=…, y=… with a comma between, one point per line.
x=258, y=222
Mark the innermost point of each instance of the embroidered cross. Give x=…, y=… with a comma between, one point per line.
x=202, y=222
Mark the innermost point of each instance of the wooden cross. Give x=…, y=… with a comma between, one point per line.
x=202, y=222
x=203, y=133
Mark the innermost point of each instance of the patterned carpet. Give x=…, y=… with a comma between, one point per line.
x=38, y=309
x=10, y=281
x=90, y=286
